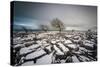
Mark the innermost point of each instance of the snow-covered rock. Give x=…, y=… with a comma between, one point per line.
x=74, y=46
x=28, y=49
x=19, y=45
x=24, y=50
x=67, y=42
x=58, y=51
x=47, y=59
x=35, y=54
x=65, y=49
x=28, y=63
x=75, y=59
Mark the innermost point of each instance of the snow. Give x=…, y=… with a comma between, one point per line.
x=59, y=52
x=42, y=35
x=45, y=60
x=28, y=63
x=44, y=41
x=72, y=46
x=35, y=54
x=68, y=36
x=24, y=50
x=27, y=49
x=75, y=59
x=19, y=45
x=83, y=49
x=59, y=44
x=88, y=44
x=33, y=46
x=84, y=58
x=67, y=41
x=63, y=47
x=49, y=48
x=62, y=61
x=53, y=41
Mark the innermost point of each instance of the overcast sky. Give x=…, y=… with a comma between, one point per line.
x=77, y=17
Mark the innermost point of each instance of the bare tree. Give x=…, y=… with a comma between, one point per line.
x=44, y=28
x=58, y=24
x=89, y=34
x=25, y=29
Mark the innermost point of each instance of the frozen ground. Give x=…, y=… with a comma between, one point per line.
x=50, y=48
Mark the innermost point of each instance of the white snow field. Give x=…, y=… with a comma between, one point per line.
x=50, y=48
